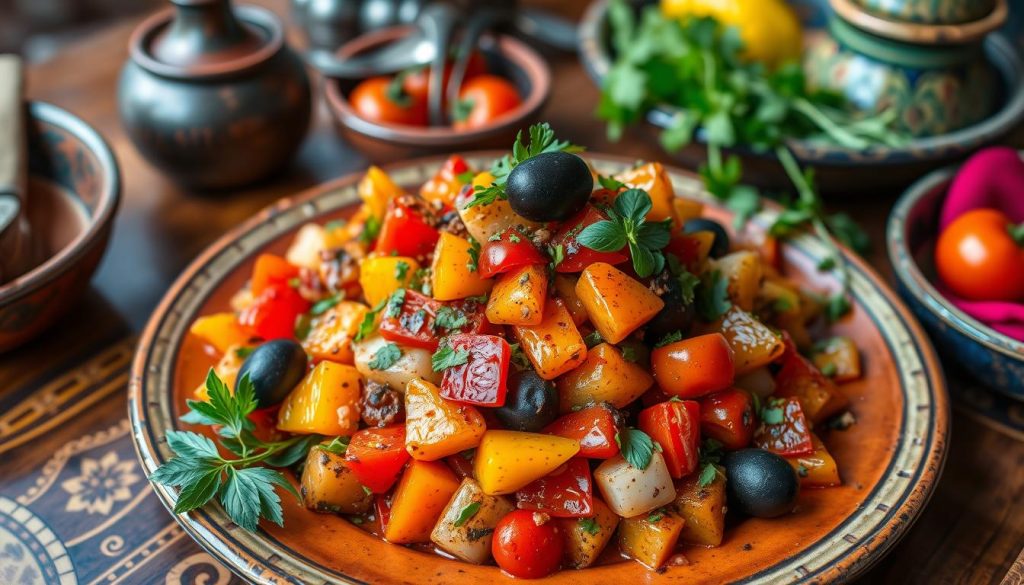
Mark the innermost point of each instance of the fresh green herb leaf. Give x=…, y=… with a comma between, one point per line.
x=322, y=306
x=366, y=327
x=467, y=513
x=656, y=516
x=519, y=359
x=829, y=369
x=303, y=325
x=708, y=473
x=593, y=338
x=465, y=177
x=401, y=270
x=772, y=415
x=629, y=353
x=610, y=183
x=636, y=446
x=801, y=470
x=395, y=303
x=474, y=254
x=371, y=229
x=712, y=296
x=337, y=446
x=385, y=357
x=669, y=338
x=627, y=226
x=450, y=318
x=589, y=525
x=243, y=352
x=557, y=254
x=445, y=357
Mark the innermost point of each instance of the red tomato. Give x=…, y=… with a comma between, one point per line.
x=594, y=427
x=527, y=544
x=406, y=232
x=675, y=425
x=265, y=421
x=483, y=100
x=415, y=323
x=273, y=313
x=270, y=269
x=446, y=183
x=481, y=380
x=376, y=100
x=980, y=256
x=510, y=251
x=577, y=257
x=728, y=417
x=784, y=429
x=694, y=367
x=377, y=456
x=567, y=492
x=416, y=82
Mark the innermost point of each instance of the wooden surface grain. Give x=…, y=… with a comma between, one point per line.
x=972, y=531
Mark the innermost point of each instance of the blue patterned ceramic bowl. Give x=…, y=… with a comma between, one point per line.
x=991, y=358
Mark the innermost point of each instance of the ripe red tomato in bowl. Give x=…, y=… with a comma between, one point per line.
x=980, y=256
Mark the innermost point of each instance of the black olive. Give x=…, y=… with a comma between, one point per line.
x=549, y=187
x=720, y=245
x=674, y=316
x=760, y=483
x=531, y=402
x=274, y=368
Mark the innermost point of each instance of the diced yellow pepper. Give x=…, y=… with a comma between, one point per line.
x=508, y=460
x=376, y=189
x=565, y=289
x=651, y=177
x=554, y=346
x=616, y=303
x=331, y=334
x=435, y=427
x=453, y=278
x=703, y=509
x=605, y=376
x=329, y=485
x=753, y=343
x=584, y=543
x=380, y=276
x=419, y=500
x=221, y=330
x=326, y=402
x=686, y=209
x=518, y=297
x=816, y=469
x=838, y=358
x=744, y=271
x=650, y=539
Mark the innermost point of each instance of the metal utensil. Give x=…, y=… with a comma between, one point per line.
x=17, y=252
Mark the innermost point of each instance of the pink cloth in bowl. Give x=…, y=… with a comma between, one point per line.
x=1006, y=318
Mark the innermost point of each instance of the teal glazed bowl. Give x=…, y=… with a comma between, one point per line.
x=74, y=187
x=994, y=360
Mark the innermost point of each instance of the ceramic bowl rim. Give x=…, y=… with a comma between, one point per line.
x=108, y=201
x=920, y=287
x=937, y=33
x=515, y=51
x=1001, y=54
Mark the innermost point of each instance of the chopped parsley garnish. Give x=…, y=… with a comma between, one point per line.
x=401, y=270
x=324, y=305
x=445, y=357
x=450, y=318
x=467, y=513
x=385, y=357
x=636, y=446
x=589, y=525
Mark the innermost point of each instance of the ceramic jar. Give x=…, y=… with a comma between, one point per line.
x=211, y=94
x=929, y=11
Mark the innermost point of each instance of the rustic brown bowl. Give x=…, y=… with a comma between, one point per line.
x=63, y=150
x=890, y=460
x=505, y=55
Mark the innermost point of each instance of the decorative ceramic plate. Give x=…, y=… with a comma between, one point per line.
x=890, y=460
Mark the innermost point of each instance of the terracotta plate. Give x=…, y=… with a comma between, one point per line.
x=890, y=460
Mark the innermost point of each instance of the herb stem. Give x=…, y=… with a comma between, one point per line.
x=841, y=135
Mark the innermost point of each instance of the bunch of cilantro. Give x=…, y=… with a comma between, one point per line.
x=694, y=67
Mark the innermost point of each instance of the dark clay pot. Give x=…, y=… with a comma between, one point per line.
x=212, y=96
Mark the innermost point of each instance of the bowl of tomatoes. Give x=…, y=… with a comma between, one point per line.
x=955, y=245
x=505, y=85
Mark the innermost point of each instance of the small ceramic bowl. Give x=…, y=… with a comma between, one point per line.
x=505, y=56
x=75, y=187
x=993, y=359
x=930, y=11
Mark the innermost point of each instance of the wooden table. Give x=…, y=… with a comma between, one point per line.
x=65, y=452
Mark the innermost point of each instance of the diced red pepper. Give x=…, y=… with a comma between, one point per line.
x=511, y=250
x=271, y=270
x=377, y=456
x=728, y=417
x=567, y=492
x=799, y=378
x=783, y=429
x=406, y=232
x=481, y=380
x=416, y=322
x=265, y=422
x=273, y=313
x=675, y=425
x=594, y=427
x=576, y=256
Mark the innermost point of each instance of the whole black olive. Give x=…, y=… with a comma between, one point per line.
x=549, y=187
x=531, y=402
x=274, y=368
x=674, y=316
x=760, y=483
x=720, y=245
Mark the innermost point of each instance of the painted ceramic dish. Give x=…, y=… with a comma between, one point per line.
x=890, y=460
x=74, y=187
x=996, y=360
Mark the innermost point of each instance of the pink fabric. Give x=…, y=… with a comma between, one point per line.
x=1006, y=318
x=992, y=178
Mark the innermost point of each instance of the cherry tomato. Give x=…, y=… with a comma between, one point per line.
x=576, y=257
x=377, y=456
x=675, y=426
x=447, y=182
x=694, y=367
x=406, y=231
x=980, y=256
x=511, y=250
x=784, y=428
x=527, y=544
x=567, y=492
x=483, y=100
x=376, y=99
x=415, y=322
x=273, y=313
x=270, y=269
x=728, y=417
x=594, y=427
x=416, y=82
x=481, y=380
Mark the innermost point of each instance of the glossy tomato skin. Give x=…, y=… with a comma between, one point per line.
x=978, y=258
x=675, y=426
x=527, y=544
x=694, y=367
x=372, y=100
x=377, y=456
x=481, y=380
x=788, y=437
x=576, y=256
x=511, y=250
x=687, y=249
x=416, y=82
x=487, y=98
x=594, y=427
x=567, y=492
x=447, y=182
x=270, y=270
x=273, y=313
x=406, y=232
x=415, y=322
x=728, y=417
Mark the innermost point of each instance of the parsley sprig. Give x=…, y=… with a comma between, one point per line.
x=627, y=226
x=636, y=446
x=243, y=486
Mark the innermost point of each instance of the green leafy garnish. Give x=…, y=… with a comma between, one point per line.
x=474, y=254
x=385, y=357
x=557, y=254
x=712, y=296
x=466, y=513
x=371, y=229
x=772, y=412
x=627, y=226
x=519, y=359
x=243, y=352
x=324, y=305
x=337, y=446
x=670, y=338
x=710, y=457
x=593, y=338
x=465, y=177
x=589, y=525
x=610, y=183
x=401, y=270
x=656, y=515
x=369, y=321
x=395, y=303
x=450, y=318
x=445, y=357
x=636, y=446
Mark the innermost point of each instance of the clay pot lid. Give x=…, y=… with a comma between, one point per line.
x=205, y=38
x=919, y=33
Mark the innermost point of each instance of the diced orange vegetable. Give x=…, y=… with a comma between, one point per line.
x=226, y=369
x=518, y=297
x=329, y=485
x=583, y=543
x=326, y=402
x=651, y=177
x=221, y=330
x=331, y=334
x=816, y=469
x=435, y=427
x=686, y=208
x=703, y=509
x=554, y=346
x=484, y=221
x=743, y=270
x=616, y=303
x=605, y=376
x=838, y=358
x=382, y=275
x=818, y=395
x=453, y=278
x=565, y=289
x=753, y=344
x=420, y=498
x=650, y=539
x=694, y=367
x=508, y=460
x=376, y=189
